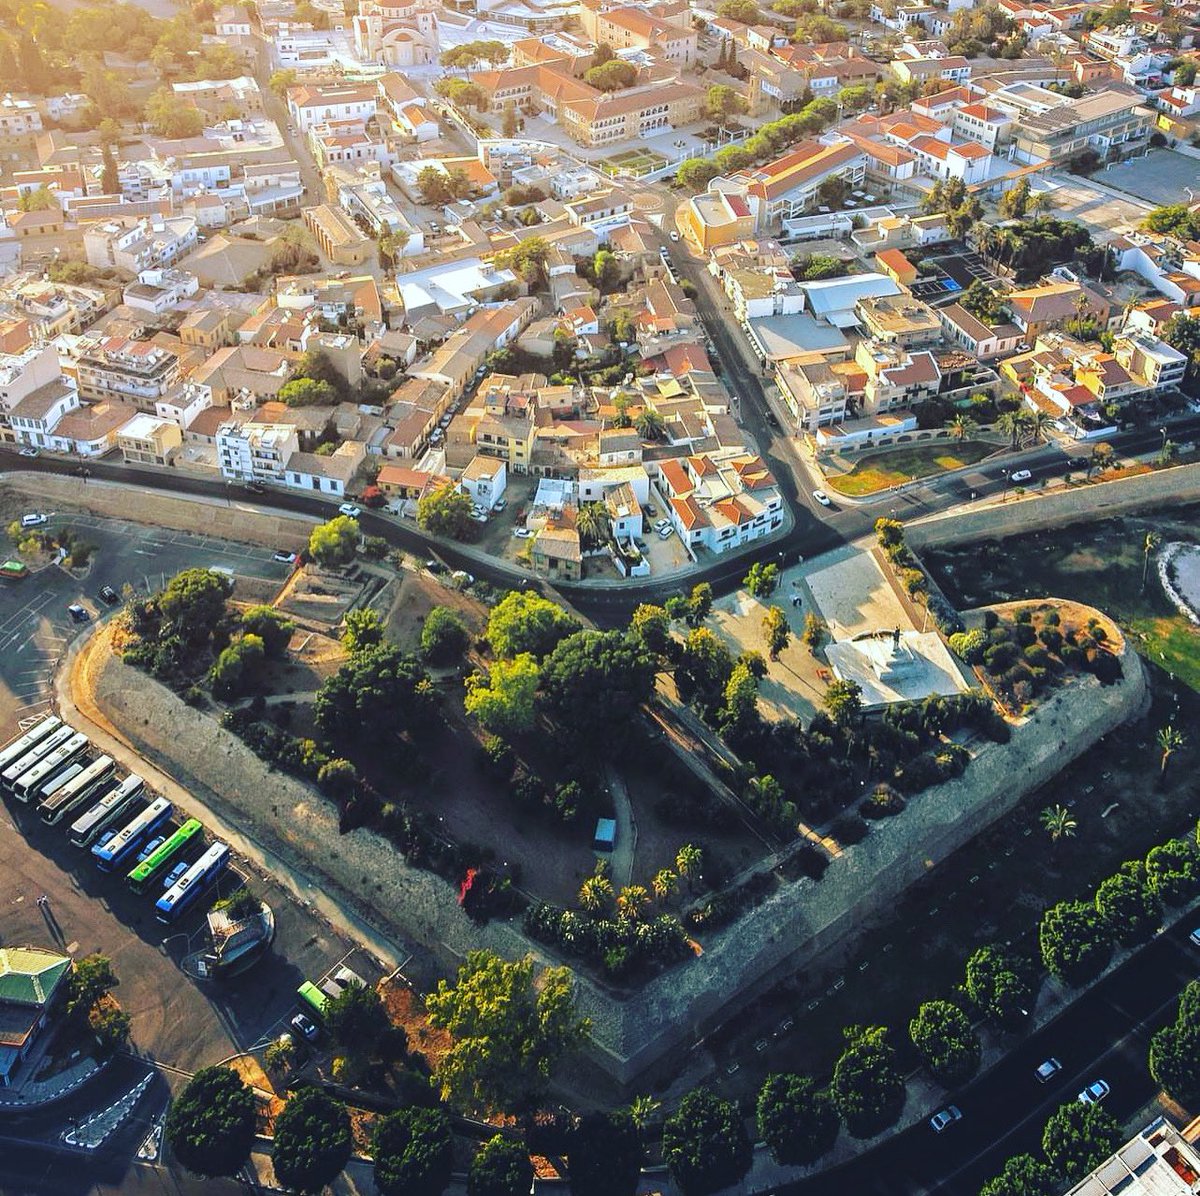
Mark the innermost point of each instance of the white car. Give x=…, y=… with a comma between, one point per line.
x=674, y=235
x=944, y=1118
x=34, y=519
x=284, y=558
x=1020, y=475
x=522, y=533
x=822, y=498
x=665, y=533
x=1094, y=1093
x=349, y=510
x=30, y=452
x=1048, y=1070
x=306, y=1026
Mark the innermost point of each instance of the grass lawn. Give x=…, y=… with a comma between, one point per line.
x=878, y=471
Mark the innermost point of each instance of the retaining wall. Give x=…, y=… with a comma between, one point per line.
x=1055, y=508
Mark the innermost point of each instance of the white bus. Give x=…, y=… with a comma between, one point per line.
x=76, y=791
x=55, y=783
x=19, y=746
x=27, y=785
x=19, y=767
x=88, y=827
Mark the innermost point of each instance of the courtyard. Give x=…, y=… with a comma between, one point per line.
x=1159, y=176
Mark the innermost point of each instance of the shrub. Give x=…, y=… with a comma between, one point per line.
x=969, y=645
x=883, y=803
x=848, y=828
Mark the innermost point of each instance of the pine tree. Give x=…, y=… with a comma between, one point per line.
x=109, y=181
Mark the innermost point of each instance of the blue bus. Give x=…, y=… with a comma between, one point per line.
x=110, y=855
x=200, y=876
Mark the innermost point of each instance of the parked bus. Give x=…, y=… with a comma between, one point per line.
x=44, y=747
x=27, y=785
x=313, y=999
x=154, y=864
x=114, y=804
x=199, y=877
x=73, y=794
x=111, y=855
x=22, y=744
x=56, y=782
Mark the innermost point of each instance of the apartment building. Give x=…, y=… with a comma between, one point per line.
x=1103, y=122
x=140, y=372
x=718, y=501
x=896, y=378
x=135, y=245
x=816, y=395
x=1157, y=364
x=316, y=104
x=255, y=451
x=148, y=440
x=1050, y=305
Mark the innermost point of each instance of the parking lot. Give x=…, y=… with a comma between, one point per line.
x=1159, y=176
x=1103, y=213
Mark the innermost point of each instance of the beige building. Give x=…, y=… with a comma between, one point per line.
x=340, y=239
x=148, y=440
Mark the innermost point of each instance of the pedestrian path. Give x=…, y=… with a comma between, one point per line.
x=93, y=1132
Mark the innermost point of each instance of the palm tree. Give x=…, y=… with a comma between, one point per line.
x=642, y=1110
x=1150, y=543
x=689, y=859
x=1013, y=423
x=632, y=902
x=1170, y=740
x=595, y=894
x=665, y=883
x=649, y=424
x=592, y=522
x=1059, y=823
x=1037, y=203
x=961, y=427
x=1038, y=422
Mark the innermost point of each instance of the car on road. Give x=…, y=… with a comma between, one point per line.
x=256, y=487
x=169, y=881
x=109, y=596
x=1048, y=1070
x=674, y=235
x=522, y=533
x=944, y=1118
x=306, y=1026
x=1195, y=937
x=30, y=452
x=650, y=509
x=78, y=613
x=151, y=848
x=822, y=498
x=1094, y=1093
x=284, y=558
x=33, y=519
x=1020, y=475
x=349, y=510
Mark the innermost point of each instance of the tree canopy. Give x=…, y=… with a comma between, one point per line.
x=211, y=1123
x=356, y=1020
x=503, y=697
x=796, y=1118
x=194, y=603
x=1075, y=942
x=997, y=986
x=867, y=1088
x=705, y=1145
x=604, y=1155
x=445, y=512
x=508, y=1032
x=334, y=542
x=379, y=690
x=312, y=1141
x=1126, y=902
x=1175, y=1050
x=413, y=1152
x=1023, y=1175
x=525, y=622
x=444, y=636
x=1078, y=1138
x=500, y=1168
x=945, y=1039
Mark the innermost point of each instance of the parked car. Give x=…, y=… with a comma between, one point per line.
x=30, y=452
x=109, y=596
x=306, y=1026
x=462, y=577
x=350, y=510
x=33, y=519
x=1048, y=1070
x=944, y=1118
x=1020, y=475
x=256, y=487
x=479, y=517
x=650, y=509
x=78, y=613
x=435, y=566
x=1094, y=1093
x=522, y=533
x=1195, y=937
x=284, y=558
x=500, y=504
x=150, y=848
x=822, y=498
x=674, y=235
x=665, y=533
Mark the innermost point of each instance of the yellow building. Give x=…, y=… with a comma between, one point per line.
x=148, y=440
x=716, y=218
x=339, y=237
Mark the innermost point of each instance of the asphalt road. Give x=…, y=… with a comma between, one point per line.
x=1105, y=1035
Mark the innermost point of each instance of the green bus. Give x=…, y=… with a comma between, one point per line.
x=158, y=859
x=313, y=999
x=14, y=569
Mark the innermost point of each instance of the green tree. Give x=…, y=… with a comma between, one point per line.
x=700, y=602
x=273, y=627
x=444, y=637
x=741, y=696
x=280, y=81
x=362, y=628
x=1078, y=1138
x=194, y=603
x=1176, y=219
x=91, y=980
x=945, y=1039
x=652, y=627
x=649, y=424
x=1059, y=823
x=1126, y=903
x=500, y=1168
x=378, y=692
x=507, y=1033
x=1023, y=1175
x=527, y=258
x=796, y=1119
x=604, y=1155
x=694, y=174
x=815, y=632
x=334, y=542
x=502, y=699
x=525, y=622
x=983, y=302
x=312, y=1141
x=593, y=683
x=445, y=512
x=704, y=1143
x=1015, y=201
x=745, y=11
x=110, y=182
x=307, y=392
x=776, y=632
x=211, y=1123
x=843, y=700
x=592, y=523
x=357, y=1020
x=606, y=270
x=1173, y=871
x=722, y=101
x=689, y=862
x=338, y=779
x=413, y=1153
x=508, y=120
x=997, y=987
x=1175, y=1050
x=867, y=1088
x=961, y=427
x=705, y=665
x=1075, y=942
x=614, y=75
x=171, y=117
x=239, y=668
x=762, y=580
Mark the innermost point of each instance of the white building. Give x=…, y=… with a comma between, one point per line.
x=139, y=245
x=255, y=451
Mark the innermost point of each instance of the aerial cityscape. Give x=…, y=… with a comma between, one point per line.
x=600, y=597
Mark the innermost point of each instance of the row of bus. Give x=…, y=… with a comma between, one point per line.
x=51, y=766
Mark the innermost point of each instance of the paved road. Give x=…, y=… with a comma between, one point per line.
x=1105, y=1035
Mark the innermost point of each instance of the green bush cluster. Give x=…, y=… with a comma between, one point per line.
x=619, y=945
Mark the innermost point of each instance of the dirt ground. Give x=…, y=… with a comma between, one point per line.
x=417, y=594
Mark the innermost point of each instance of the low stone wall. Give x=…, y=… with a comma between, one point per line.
x=798, y=923
x=1056, y=508
x=204, y=517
